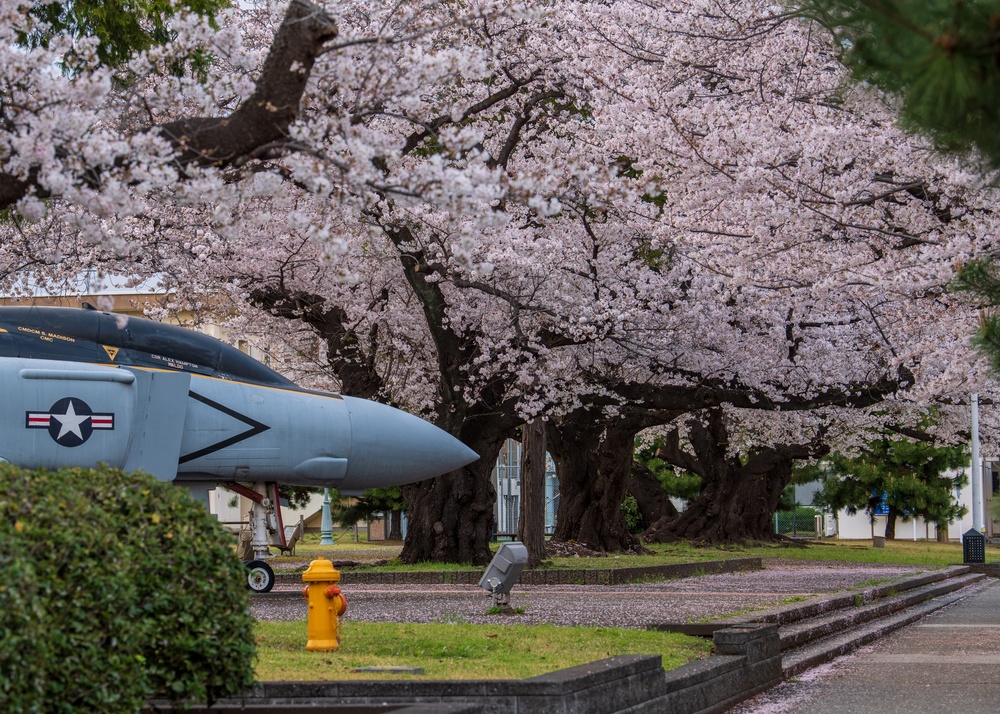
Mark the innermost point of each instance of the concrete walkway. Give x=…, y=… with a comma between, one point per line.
x=947, y=662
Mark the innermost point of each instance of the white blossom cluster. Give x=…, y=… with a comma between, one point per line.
x=667, y=194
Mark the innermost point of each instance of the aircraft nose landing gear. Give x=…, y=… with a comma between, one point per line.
x=263, y=524
x=260, y=577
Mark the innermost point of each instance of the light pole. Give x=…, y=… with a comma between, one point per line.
x=973, y=540
x=326, y=526
x=977, y=471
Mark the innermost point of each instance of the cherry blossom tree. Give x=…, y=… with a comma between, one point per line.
x=740, y=491
x=939, y=58
x=830, y=251
x=606, y=215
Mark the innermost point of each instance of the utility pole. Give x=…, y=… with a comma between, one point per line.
x=977, y=470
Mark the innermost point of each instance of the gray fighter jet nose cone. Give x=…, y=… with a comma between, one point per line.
x=389, y=447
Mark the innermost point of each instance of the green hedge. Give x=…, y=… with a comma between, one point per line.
x=114, y=589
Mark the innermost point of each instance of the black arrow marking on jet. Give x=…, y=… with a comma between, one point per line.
x=255, y=428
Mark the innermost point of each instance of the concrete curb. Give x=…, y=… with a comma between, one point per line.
x=793, y=612
x=832, y=647
x=809, y=630
x=815, y=607
x=797, y=635
x=990, y=569
x=601, y=576
x=749, y=661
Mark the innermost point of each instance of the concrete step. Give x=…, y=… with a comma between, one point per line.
x=817, y=608
x=865, y=610
x=821, y=639
x=797, y=611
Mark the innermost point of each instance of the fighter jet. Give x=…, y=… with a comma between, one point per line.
x=83, y=387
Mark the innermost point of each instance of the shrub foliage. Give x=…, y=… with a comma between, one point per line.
x=114, y=589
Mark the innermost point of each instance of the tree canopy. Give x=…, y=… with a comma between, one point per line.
x=121, y=29
x=940, y=60
x=610, y=215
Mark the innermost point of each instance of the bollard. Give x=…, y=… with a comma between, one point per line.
x=326, y=605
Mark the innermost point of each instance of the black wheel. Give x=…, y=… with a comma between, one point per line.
x=260, y=577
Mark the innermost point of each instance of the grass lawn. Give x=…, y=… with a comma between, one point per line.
x=464, y=651
x=920, y=552
x=459, y=650
x=910, y=552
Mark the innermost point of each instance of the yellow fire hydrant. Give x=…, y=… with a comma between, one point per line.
x=326, y=605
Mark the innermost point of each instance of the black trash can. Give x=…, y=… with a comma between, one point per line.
x=973, y=547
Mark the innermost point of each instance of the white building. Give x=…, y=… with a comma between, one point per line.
x=507, y=481
x=859, y=526
x=231, y=509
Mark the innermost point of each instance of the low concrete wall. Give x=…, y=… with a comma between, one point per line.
x=748, y=661
x=797, y=611
x=600, y=576
x=990, y=569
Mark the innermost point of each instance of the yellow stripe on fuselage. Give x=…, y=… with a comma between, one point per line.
x=297, y=390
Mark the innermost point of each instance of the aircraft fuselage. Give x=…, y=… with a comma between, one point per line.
x=136, y=394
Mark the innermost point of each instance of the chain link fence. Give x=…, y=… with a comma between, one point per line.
x=801, y=521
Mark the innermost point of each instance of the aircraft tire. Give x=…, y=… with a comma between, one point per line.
x=260, y=577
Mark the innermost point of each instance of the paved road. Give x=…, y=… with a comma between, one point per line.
x=947, y=662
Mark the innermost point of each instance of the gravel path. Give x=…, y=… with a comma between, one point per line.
x=639, y=605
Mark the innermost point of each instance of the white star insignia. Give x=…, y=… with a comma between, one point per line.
x=70, y=422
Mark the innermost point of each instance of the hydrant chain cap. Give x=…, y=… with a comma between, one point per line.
x=321, y=570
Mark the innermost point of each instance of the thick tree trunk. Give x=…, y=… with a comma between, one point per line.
x=736, y=504
x=654, y=503
x=531, y=524
x=263, y=119
x=890, y=523
x=258, y=129
x=738, y=498
x=450, y=518
x=593, y=460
